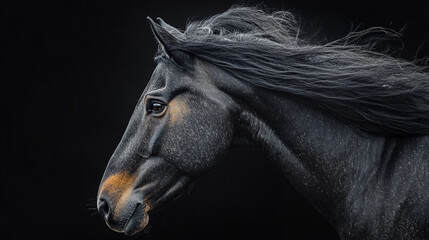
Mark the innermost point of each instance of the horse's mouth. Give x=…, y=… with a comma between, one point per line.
x=138, y=220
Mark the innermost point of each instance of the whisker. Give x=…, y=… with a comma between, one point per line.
x=94, y=214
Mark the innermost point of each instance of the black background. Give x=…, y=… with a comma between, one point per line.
x=72, y=73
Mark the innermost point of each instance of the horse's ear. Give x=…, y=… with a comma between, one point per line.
x=167, y=36
x=174, y=31
x=162, y=36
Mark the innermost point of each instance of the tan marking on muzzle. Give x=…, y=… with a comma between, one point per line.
x=118, y=187
x=178, y=110
x=146, y=216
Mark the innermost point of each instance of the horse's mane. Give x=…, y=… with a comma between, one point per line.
x=371, y=91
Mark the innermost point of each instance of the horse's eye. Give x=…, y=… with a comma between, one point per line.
x=155, y=107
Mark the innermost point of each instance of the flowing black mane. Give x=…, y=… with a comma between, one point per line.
x=368, y=90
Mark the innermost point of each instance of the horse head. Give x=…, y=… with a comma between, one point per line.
x=181, y=126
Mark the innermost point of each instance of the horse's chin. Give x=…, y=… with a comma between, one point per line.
x=138, y=220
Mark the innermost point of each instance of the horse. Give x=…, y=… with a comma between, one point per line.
x=347, y=125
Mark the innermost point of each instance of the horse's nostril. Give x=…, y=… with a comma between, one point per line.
x=104, y=208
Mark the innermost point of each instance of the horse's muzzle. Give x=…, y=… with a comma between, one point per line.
x=125, y=198
x=133, y=219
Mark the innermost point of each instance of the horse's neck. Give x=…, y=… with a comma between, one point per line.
x=317, y=152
